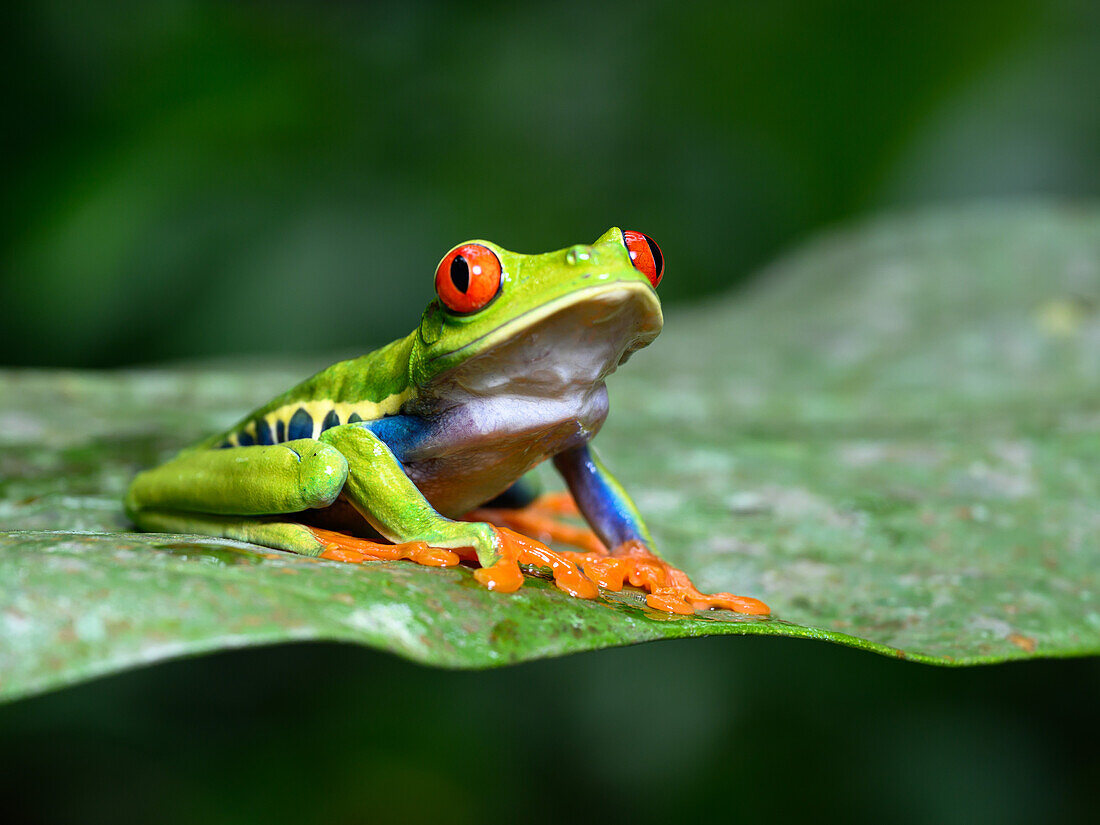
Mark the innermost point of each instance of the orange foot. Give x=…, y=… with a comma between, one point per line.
x=518, y=549
x=669, y=588
x=342, y=547
x=504, y=576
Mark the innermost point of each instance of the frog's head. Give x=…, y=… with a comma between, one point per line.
x=567, y=316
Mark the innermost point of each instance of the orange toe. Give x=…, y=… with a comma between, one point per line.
x=669, y=588
x=518, y=549
x=342, y=547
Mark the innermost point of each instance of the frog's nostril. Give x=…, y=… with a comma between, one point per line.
x=578, y=254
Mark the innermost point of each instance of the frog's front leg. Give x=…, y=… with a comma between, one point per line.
x=379, y=489
x=606, y=506
x=253, y=494
x=601, y=499
x=242, y=481
x=243, y=493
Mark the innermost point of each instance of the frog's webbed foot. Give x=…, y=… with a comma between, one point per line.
x=668, y=588
x=517, y=549
x=342, y=547
x=505, y=575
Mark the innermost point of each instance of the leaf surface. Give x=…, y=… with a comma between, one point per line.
x=893, y=439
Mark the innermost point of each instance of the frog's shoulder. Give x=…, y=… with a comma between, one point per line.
x=369, y=387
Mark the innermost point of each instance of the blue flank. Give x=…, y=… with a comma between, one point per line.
x=401, y=433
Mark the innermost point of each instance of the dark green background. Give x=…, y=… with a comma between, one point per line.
x=187, y=180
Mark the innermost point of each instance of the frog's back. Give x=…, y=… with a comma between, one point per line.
x=369, y=387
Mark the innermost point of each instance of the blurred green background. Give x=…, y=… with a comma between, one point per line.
x=195, y=179
x=187, y=179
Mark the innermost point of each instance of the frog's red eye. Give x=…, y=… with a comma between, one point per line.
x=468, y=278
x=645, y=255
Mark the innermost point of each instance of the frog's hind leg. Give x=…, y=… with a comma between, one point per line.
x=281, y=534
x=210, y=491
x=267, y=532
x=251, y=493
x=243, y=481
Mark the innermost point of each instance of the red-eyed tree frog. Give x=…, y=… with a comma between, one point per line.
x=419, y=450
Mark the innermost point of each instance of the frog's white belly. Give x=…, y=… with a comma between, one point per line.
x=483, y=446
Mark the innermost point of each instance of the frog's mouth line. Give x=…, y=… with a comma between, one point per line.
x=611, y=294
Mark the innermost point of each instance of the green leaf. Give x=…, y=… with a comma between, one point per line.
x=893, y=439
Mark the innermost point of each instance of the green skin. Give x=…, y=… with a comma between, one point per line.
x=448, y=418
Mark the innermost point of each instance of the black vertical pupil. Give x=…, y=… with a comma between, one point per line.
x=658, y=258
x=460, y=274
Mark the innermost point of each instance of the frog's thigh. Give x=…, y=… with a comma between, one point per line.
x=268, y=532
x=243, y=481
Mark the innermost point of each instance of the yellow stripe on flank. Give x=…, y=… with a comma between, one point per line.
x=367, y=410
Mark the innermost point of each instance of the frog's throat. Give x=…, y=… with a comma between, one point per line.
x=651, y=320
